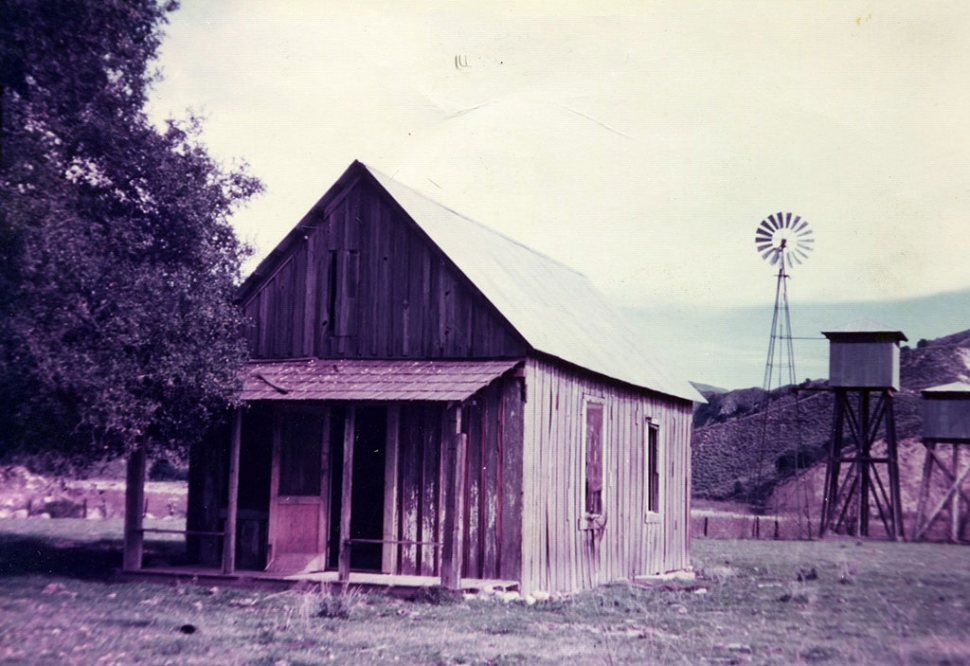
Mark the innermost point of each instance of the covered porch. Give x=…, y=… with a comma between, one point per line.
x=335, y=472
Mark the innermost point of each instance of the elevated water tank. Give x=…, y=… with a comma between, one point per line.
x=946, y=413
x=864, y=355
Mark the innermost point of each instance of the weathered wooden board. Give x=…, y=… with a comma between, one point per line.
x=365, y=282
x=410, y=456
x=510, y=480
x=429, y=495
x=562, y=548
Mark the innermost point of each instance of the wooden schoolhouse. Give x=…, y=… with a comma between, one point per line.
x=429, y=398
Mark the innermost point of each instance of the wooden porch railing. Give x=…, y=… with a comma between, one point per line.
x=343, y=570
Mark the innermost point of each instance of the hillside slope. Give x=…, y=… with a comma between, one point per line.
x=741, y=452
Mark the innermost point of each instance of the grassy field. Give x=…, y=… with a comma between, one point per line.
x=868, y=603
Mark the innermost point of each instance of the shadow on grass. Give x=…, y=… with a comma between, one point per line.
x=95, y=560
x=23, y=555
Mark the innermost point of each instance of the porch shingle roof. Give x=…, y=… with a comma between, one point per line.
x=355, y=379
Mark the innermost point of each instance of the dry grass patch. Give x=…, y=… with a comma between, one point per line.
x=753, y=603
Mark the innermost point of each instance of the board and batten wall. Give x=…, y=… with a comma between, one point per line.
x=361, y=280
x=491, y=483
x=561, y=550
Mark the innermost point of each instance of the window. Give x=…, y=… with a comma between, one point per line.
x=301, y=447
x=653, y=468
x=594, y=458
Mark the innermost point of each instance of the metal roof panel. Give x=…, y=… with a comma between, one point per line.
x=864, y=326
x=555, y=308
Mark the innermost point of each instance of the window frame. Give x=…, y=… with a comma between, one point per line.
x=588, y=517
x=653, y=484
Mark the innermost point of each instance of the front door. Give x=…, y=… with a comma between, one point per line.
x=300, y=491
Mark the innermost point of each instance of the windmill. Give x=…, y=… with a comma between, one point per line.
x=783, y=240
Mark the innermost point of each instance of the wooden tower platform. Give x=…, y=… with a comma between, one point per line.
x=946, y=436
x=864, y=374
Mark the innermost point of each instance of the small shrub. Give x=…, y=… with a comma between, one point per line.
x=338, y=604
x=64, y=508
x=163, y=470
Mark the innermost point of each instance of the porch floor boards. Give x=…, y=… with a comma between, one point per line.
x=365, y=581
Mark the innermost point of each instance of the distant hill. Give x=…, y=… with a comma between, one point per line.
x=727, y=346
x=708, y=389
x=740, y=452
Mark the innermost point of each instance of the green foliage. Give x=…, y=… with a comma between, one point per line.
x=793, y=460
x=163, y=470
x=117, y=259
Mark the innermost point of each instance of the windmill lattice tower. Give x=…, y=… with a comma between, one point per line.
x=784, y=240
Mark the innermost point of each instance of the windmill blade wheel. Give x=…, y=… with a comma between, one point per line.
x=784, y=238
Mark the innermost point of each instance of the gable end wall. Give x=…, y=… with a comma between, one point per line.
x=365, y=282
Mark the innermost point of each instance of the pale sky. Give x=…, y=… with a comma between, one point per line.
x=641, y=143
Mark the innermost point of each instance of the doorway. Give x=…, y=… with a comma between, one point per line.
x=367, y=486
x=298, y=510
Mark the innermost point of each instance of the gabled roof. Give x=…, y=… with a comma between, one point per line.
x=555, y=309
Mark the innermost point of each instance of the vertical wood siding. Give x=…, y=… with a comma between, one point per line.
x=492, y=507
x=492, y=502
x=366, y=283
x=419, y=486
x=561, y=549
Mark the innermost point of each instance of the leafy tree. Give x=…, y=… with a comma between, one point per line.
x=117, y=259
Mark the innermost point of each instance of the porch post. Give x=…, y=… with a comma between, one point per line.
x=389, y=558
x=134, y=505
x=229, y=540
x=454, y=468
x=346, y=488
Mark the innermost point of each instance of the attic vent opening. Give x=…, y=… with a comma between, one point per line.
x=342, y=288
